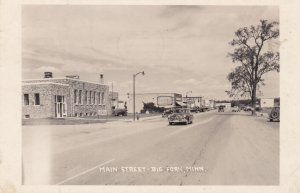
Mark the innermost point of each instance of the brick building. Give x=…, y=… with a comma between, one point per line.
x=63, y=97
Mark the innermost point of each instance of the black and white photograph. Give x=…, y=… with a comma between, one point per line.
x=150, y=95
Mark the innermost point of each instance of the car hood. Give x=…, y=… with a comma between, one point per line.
x=182, y=114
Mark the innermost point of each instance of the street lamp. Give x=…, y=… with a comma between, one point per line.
x=134, y=75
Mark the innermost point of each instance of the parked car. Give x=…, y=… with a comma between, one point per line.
x=195, y=109
x=221, y=109
x=182, y=115
x=120, y=112
x=235, y=109
x=248, y=108
x=275, y=114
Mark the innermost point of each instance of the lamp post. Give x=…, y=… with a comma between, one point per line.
x=134, y=75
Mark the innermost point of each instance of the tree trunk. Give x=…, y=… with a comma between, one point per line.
x=253, y=100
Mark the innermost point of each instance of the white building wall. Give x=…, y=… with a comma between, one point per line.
x=227, y=105
x=266, y=102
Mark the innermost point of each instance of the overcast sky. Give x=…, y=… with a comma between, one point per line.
x=180, y=48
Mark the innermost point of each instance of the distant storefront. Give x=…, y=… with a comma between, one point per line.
x=226, y=105
x=269, y=102
x=63, y=97
x=192, y=101
x=166, y=100
x=114, y=99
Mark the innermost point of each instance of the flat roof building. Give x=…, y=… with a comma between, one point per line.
x=63, y=97
x=166, y=100
x=192, y=101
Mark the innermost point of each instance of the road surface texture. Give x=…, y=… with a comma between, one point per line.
x=217, y=149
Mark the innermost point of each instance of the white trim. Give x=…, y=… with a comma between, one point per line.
x=37, y=83
x=46, y=80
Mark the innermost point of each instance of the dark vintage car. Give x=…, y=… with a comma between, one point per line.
x=248, y=108
x=195, y=109
x=120, y=112
x=275, y=114
x=182, y=115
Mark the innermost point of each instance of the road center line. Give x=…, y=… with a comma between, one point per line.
x=84, y=172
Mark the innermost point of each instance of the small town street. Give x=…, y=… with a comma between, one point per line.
x=216, y=149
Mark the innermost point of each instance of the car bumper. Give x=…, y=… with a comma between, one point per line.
x=178, y=121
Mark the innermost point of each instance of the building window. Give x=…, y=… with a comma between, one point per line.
x=75, y=96
x=26, y=99
x=99, y=101
x=85, y=97
x=90, y=99
x=79, y=96
x=36, y=99
x=102, y=98
x=94, y=99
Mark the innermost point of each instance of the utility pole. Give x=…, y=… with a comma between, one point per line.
x=134, y=97
x=112, y=93
x=134, y=75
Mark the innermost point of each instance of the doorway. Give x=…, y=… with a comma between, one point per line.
x=60, y=106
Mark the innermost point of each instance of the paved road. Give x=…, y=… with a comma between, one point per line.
x=217, y=149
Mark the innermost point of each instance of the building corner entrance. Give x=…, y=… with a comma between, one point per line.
x=60, y=106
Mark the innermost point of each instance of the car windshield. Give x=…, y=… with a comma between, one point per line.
x=180, y=111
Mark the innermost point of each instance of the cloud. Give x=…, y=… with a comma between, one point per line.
x=80, y=59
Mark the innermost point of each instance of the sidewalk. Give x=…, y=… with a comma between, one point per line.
x=83, y=120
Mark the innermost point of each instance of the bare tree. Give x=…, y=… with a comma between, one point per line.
x=253, y=59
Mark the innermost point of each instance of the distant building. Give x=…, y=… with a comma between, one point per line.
x=192, y=101
x=166, y=100
x=212, y=104
x=269, y=102
x=206, y=103
x=63, y=97
x=114, y=99
x=226, y=105
x=122, y=104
